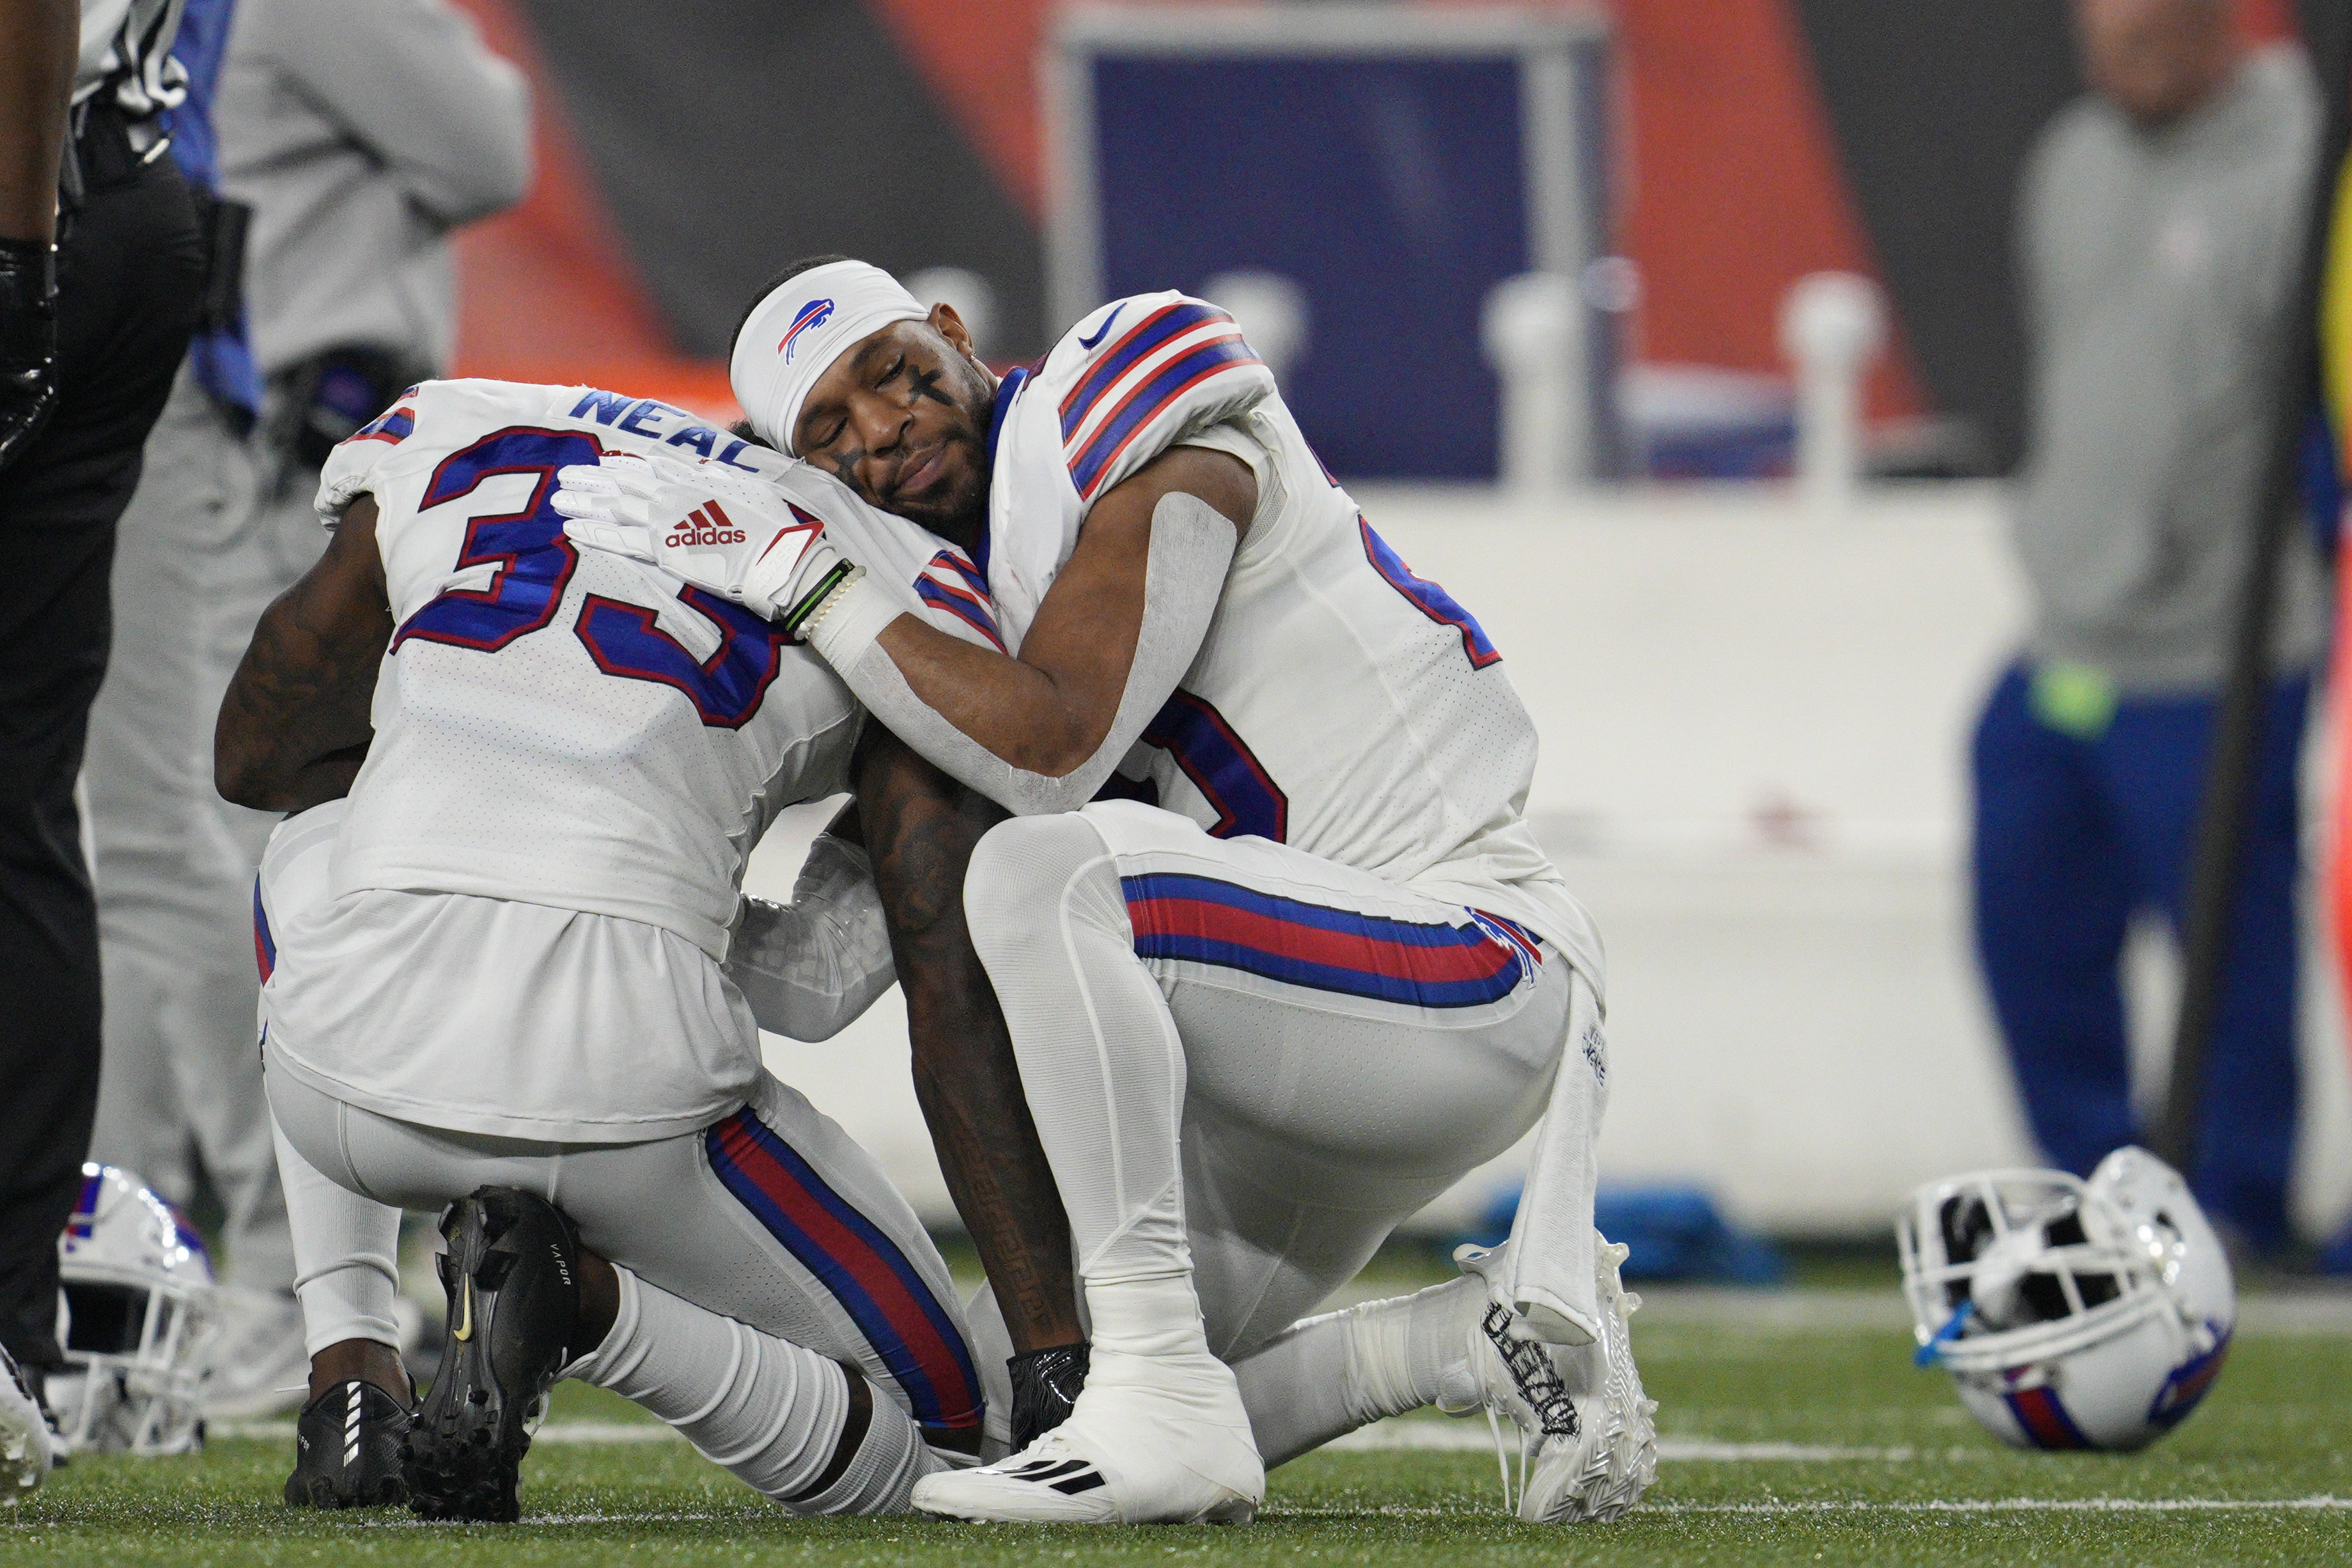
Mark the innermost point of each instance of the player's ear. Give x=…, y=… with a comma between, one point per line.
x=948, y=325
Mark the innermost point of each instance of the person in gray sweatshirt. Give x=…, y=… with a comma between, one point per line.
x=2160, y=227
x=361, y=136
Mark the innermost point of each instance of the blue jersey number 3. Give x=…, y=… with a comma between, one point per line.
x=533, y=563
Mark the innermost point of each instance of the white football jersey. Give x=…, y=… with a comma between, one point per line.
x=1339, y=703
x=567, y=727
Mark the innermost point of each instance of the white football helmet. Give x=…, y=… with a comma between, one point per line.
x=135, y=1316
x=2071, y=1314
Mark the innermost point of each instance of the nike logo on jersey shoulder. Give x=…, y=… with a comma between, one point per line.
x=1088, y=343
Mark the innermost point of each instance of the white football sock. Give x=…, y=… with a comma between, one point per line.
x=345, y=1248
x=1323, y=1377
x=1150, y=1315
x=765, y=1408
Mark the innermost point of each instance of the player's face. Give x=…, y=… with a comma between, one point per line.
x=902, y=417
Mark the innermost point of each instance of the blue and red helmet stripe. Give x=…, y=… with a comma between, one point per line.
x=85, y=1208
x=857, y=1263
x=2188, y=1384
x=2044, y=1419
x=1177, y=915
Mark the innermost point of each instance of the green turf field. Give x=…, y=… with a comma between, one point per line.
x=1880, y=1465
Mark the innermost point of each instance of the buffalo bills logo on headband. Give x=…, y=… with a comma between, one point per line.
x=813, y=314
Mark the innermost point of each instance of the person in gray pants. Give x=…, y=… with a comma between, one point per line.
x=361, y=136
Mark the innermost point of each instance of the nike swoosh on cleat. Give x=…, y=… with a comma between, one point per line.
x=466, y=1324
x=1088, y=343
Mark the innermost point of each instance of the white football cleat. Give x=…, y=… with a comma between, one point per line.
x=24, y=1434
x=1588, y=1445
x=1151, y=1440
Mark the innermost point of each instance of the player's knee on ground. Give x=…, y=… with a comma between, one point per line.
x=1029, y=875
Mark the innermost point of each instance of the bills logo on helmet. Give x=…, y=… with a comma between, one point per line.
x=812, y=315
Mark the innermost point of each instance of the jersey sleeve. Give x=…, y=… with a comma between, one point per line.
x=1143, y=374
x=928, y=576
x=350, y=470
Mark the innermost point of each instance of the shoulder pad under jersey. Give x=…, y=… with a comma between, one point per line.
x=438, y=415
x=1140, y=374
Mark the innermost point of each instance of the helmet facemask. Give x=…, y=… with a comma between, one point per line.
x=2050, y=1298
x=136, y=1319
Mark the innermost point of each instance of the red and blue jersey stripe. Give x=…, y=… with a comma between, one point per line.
x=1108, y=426
x=2045, y=1421
x=394, y=425
x=954, y=584
x=265, y=946
x=857, y=1263
x=1414, y=963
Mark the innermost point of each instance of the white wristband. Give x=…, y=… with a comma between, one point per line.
x=848, y=626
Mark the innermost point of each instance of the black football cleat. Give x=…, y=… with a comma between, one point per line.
x=347, y=1446
x=512, y=1273
x=1045, y=1384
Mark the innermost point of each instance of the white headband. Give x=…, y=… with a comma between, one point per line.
x=794, y=335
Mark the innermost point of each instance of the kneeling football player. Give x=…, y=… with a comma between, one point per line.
x=505, y=973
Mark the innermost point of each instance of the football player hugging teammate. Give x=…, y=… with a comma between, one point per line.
x=1186, y=815
x=1249, y=916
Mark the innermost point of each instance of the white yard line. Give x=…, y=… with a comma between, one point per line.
x=1965, y=1506
x=2031, y=1505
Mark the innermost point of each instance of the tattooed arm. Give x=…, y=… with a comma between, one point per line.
x=294, y=727
x=921, y=826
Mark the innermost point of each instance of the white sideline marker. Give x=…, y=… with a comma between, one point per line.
x=1976, y=1506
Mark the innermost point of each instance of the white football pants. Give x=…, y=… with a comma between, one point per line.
x=1249, y=1061
x=771, y=1217
x=751, y=1254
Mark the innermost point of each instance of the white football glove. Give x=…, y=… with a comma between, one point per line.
x=717, y=530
